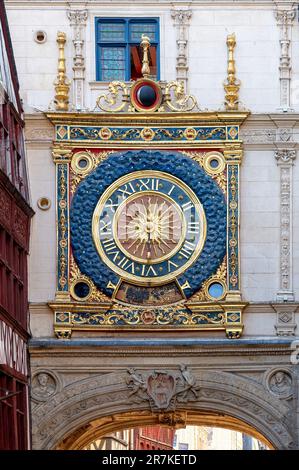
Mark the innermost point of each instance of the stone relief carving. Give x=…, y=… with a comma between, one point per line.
x=181, y=21
x=174, y=419
x=279, y=383
x=219, y=391
x=285, y=134
x=161, y=388
x=285, y=319
x=78, y=20
x=40, y=134
x=258, y=136
x=43, y=386
x=285, y=159
x=285, y=20
x=266, y=136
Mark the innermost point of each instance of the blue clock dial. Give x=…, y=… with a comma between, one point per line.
x=148, y=227
x=149, y=218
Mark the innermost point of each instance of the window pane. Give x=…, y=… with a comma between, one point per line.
x=137, y=29
x=112, y=32
x=112, y=63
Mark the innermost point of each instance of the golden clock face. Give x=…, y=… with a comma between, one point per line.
x=149, y=227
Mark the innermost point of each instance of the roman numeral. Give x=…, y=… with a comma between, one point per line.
x=171, y=265
x=106, y=228
x=110, y=205
x=148, y=271
x=193, y=227
x=171, y=189
x=127, y=264
x=127, y=191
x=187, y=206
x=109, y=245
x=187, y=249
x=149, y=184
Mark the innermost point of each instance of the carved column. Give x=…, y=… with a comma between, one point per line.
x=233, y=154
x=181, y=21
x=285, y=160
x=61, y=157
x=285, y=20
x=78, y=22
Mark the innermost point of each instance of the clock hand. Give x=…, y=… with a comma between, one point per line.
x=148, y=254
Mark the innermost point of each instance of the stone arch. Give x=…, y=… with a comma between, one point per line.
x=105, y=400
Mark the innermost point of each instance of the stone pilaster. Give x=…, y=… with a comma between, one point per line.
x=285, y=20
x=285, y=160
x=181, y=21
x=78, y=22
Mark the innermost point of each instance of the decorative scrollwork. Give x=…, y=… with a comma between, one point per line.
x=114, y=101
x=201, y=295
x=96, y=294
x=176, y=99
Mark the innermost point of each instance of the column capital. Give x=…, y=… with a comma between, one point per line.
x=181, y=16
x=285, y=17
x=61, y=154
x=285, y=156
x=77, y=17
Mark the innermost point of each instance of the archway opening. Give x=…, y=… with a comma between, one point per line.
x=152, y=438
x=174, y=430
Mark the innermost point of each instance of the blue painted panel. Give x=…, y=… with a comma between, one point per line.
x=166, y=134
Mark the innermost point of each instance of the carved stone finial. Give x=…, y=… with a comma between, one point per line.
x=62, y=85
x=145, y=44
x=232, y=84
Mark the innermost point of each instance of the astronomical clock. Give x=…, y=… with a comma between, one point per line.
x=148, y=213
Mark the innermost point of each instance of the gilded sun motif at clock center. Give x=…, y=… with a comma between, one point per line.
x=149, y=227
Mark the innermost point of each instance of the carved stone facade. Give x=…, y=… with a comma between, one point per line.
x=286, y=322
x=181, y=21
x=78, y=20
x=285, y=20
x=258, y=398
x=285, y=160
x=101, y=382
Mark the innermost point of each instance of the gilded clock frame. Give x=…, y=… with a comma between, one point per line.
x=194, y=134
x=193, y=198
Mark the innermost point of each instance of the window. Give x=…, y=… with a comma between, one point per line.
x=118, y=54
